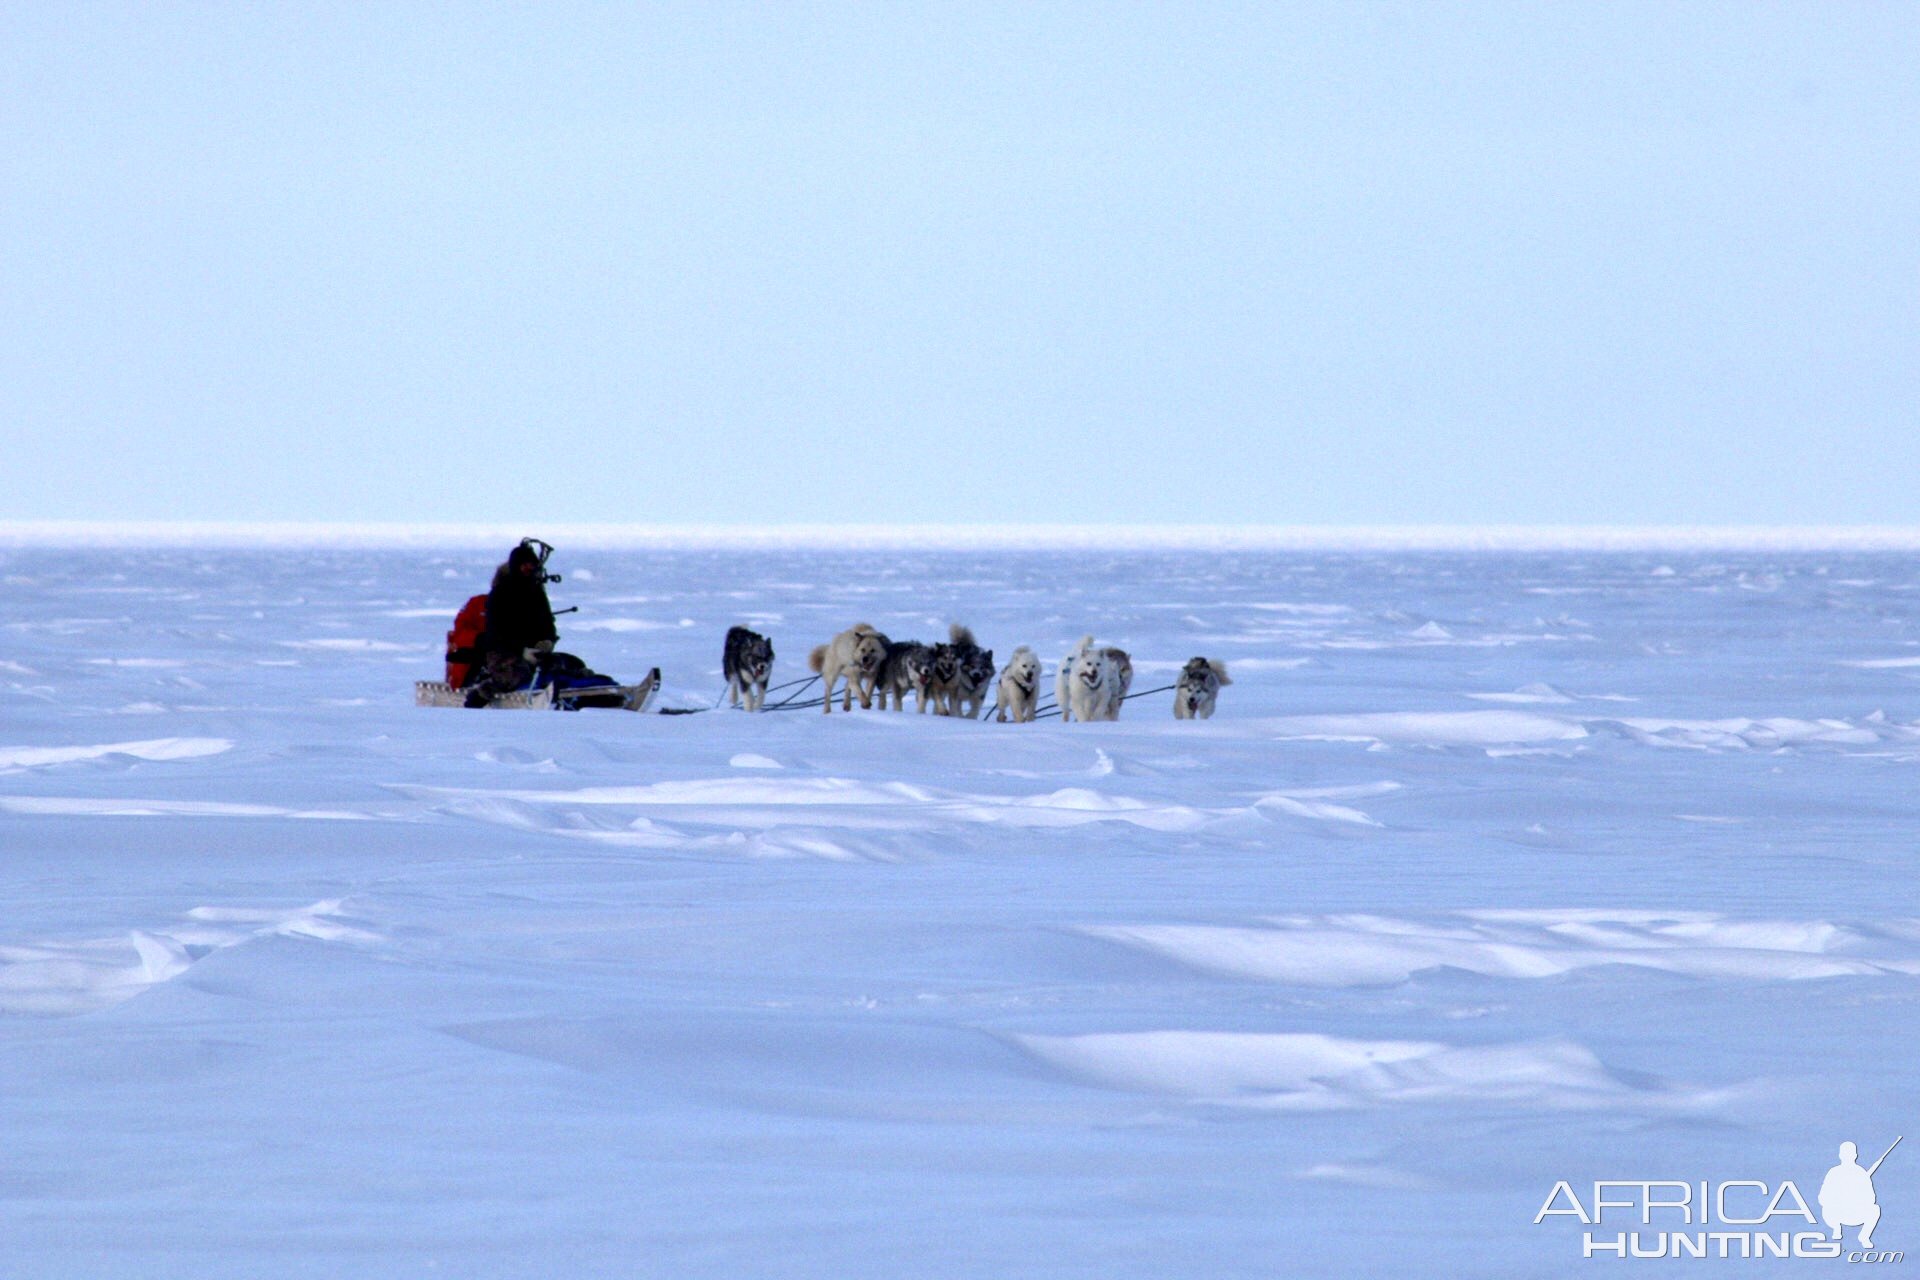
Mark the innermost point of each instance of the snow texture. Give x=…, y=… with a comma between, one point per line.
x=1494, y=869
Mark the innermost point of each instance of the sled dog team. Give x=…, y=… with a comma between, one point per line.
x=954, y=678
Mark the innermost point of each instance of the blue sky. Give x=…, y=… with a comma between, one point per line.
x=1347, y=263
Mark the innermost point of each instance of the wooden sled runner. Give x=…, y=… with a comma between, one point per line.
x=636, y=697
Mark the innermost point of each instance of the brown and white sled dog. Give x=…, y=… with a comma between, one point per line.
x=1093, y=682
x=855, y=653
x=974, y=677
x=1019, y=690
x=1198, y=686
x=747, y=662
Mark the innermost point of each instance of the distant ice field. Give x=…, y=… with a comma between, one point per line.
x=1495, y=868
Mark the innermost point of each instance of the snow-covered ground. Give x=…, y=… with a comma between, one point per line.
x=1494, y=869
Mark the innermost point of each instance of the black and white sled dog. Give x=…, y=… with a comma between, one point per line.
x=903, y=671
x=1198, y=686
x=855, y=653
x=1019, y=690
x=747, y=662
x=968, y=696
x=1093, y=682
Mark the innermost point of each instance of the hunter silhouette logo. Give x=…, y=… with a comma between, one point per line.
x=1733, y=1218
x=1846, y=1194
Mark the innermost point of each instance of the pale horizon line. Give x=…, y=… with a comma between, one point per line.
x=291, y=534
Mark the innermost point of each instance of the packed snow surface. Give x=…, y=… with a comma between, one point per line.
x=1494, y=869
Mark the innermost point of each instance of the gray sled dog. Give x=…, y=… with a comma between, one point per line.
x=904, y=670
x=747, y=662
x=975, y=676
x=1198, y=686
x=1093, y=682
x=1019, y=690
x=855, y=653
x=943, y=678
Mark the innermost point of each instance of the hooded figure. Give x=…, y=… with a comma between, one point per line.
x=519, y=630
x=519, y=616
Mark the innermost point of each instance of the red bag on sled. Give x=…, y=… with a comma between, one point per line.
x=463, y=642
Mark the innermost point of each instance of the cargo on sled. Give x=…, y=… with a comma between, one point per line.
x=548, y=697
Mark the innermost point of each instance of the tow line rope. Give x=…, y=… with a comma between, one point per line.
x=722, y=695
x=1046, y=712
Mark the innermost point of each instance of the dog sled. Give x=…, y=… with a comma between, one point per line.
x=549, y=697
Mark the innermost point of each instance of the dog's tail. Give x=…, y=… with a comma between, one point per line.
x=1219, y=669
x=961, y=636
x=817, y=660
x=1086, y=643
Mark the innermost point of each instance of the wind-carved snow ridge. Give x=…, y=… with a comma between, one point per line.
x=1308, y=1071
x=1501, y=732
x=1369, y=950
x=133, y=807
x=755, y=801
x=813, y=816
x=15, y=758
x=56, y=978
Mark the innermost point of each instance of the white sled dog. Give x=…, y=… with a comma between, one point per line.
x=855, y=653
x=1019, y=691
x=1198, y=686
x=1093, y=682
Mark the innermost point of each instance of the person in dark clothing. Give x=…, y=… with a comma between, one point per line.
x=519, y=617
x=520, y=631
